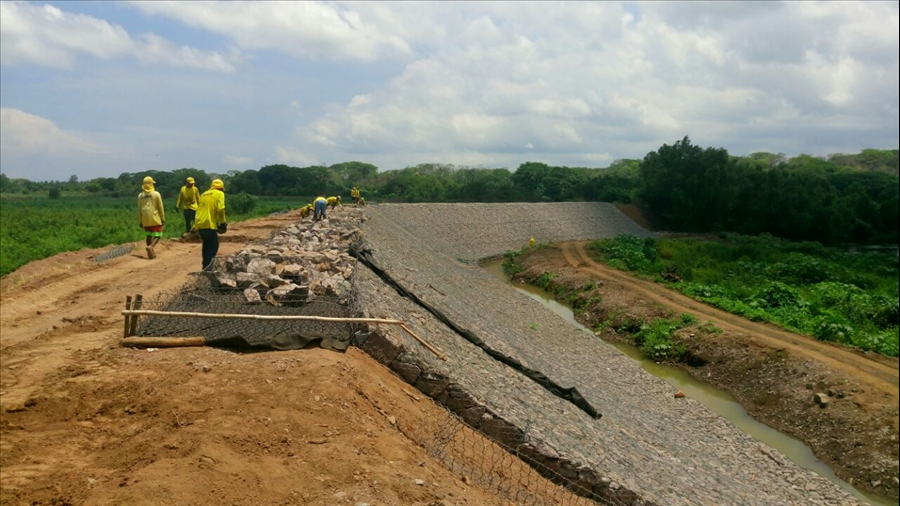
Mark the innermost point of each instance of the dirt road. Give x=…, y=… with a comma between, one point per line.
x=880, y=373
x=84, y=421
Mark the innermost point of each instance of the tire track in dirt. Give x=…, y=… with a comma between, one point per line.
x=877, y=374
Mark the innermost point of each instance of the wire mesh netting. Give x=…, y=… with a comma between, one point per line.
x=207, y=294
x=503, y=469
x=114, y=252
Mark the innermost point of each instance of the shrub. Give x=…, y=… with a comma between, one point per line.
x=778, y=295
x=54, y=193
x=242, y=203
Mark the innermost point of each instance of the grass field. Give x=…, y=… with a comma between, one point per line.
x=832, y=294
x=32, y=228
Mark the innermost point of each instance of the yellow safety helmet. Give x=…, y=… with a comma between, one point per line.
x=189, y=179
x=217, y=184
x=149, y=180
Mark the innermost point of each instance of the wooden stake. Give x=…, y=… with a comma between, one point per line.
x=127, y=318
x=138, y=302
x=162, y=342
x=438, y=353
x=180, y=314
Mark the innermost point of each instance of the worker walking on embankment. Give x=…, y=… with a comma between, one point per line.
x=319, y=207
x=355, y=195
x=334, y=202
x=211, y=220
x=188, y=198
x=151, y=214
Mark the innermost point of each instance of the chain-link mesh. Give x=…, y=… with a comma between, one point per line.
x=116, y=251
x=503, y=469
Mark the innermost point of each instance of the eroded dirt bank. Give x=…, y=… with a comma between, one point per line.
x=856, y=433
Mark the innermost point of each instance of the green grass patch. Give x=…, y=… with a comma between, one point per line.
x=32, y=228
x=832, y=294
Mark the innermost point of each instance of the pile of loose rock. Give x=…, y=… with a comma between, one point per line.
x=296, y=264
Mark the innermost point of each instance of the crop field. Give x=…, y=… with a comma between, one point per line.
x=832, y=294
x=32, y=228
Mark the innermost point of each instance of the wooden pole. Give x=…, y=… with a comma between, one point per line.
x=180, y=314
x=138, y=302
x=162, y=342
x=127, y=318
x=438, y=353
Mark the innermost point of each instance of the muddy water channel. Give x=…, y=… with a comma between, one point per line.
x=715, y=400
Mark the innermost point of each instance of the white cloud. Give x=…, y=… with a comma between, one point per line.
x=22, y=133
x=302, y=29
x=291, y=156
x=238, y=161
x=46, y=35
x=576, y=82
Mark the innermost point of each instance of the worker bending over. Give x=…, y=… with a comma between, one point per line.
x=334, y=201
x=151, y=214
x=305, y=211
x=187, y=200
x=319, y=206
x=211, y=220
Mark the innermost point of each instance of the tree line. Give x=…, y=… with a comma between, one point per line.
x=839, y=198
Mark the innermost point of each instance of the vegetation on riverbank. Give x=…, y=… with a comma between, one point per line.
x=834, y=295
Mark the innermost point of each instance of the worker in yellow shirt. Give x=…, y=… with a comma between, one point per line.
x=354, y=194
x=211, y=220
x=187, y=200
x=305, y=210
x=334, y=201
x=151, y=214
x=319, y=207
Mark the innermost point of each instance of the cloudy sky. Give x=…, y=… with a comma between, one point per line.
x=97, y=89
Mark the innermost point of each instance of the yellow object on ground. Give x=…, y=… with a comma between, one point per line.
x=211, y=209
x=188, y=197
x=531, y=242
x=150, y=206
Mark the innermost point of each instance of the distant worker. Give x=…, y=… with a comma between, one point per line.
x=361, y=202
x=305, y=211
x=319, y=206
x=211, y=220
x=151, y=214
x=354, y=194
x=187, y=200
x=334, y=201
x=531, y=242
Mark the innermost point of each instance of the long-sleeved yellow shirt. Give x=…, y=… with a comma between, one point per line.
x=150, y=209
x=188, y=198
x=210, y=210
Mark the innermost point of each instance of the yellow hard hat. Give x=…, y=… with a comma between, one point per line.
x=217, y=184
x=189, y=179
x=149, y=180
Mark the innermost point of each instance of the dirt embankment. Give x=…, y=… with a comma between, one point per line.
x=774, y=374
x=83, y=421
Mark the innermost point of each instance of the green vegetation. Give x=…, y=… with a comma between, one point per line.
x=654, y=339
x=36, y=227
x=834, y=295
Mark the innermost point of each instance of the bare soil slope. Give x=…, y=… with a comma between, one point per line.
x=83, y=421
